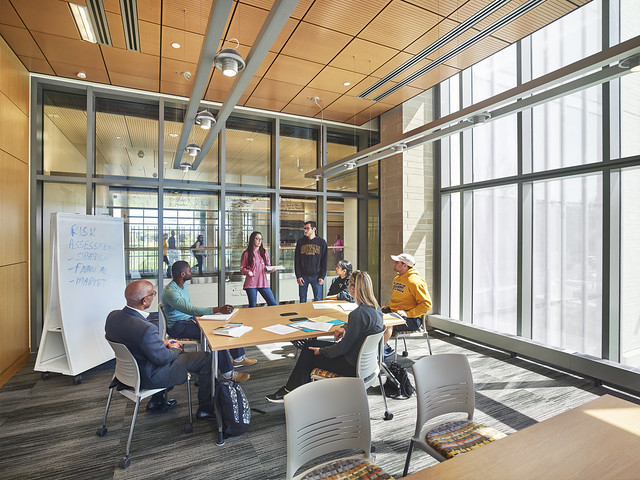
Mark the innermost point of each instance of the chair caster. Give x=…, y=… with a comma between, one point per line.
x=188, y=428
x=388, y=416
x=102, y=431
x=125, y=462
x=405, y=354
x=44, y=375
x=77, y=380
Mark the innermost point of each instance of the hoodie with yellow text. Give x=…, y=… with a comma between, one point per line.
x=409, y=292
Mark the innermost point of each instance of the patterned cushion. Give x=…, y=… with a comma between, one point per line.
x=318, y=372
x=348, y=469
x=453, y=438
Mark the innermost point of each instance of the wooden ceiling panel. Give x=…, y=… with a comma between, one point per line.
x=219, y=86
x=392, y=64
x=347, y=17
x=427, y=39
x=246, y=24
x=303, y=110
x=21, y=41
x=532, y=21
x=444, y=7
x=305, y=96
x=67, y=50
x=437, y=75
x=366, y=83
x=349, y=104
x=174, y=88
x=298, y=12
x=363, y=57
x=8, y=15
x=37, y=65
x=327, y=43
x=286, y=32
x=336, y=116
x=252, y=85
x=149, y=38
x=477, y=52
x=171, y=71
x=131, y=63
x=293, y=70
x=402, y=95
x=399, y=25
x=191, y=15
x=133, y=81
x=50, y=16
x=333, y=79
x=114, y=20
x=190, y=45
x=269, y=89
x=95, y=73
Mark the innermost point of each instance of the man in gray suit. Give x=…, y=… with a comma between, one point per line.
x=161, y=362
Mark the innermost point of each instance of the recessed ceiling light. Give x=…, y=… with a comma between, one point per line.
x=175, y=45
x=118, y=137
x=81, y=75
x=249, y=139
x=54, y=115
x=173, y=135
x=346, y=84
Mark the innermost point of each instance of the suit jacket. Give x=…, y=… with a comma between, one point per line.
x=143, y=340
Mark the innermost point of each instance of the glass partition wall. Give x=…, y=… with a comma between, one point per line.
x=105, y=152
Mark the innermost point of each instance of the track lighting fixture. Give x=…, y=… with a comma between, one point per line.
x=479, y=118
x=229, y=61
x=193, y=149
x=632, y=63
x=185, y=166
x=205, y=119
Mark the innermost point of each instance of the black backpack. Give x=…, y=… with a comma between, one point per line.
x=233, y=407
x=405, y=390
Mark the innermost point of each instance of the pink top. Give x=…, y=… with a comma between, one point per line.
x=259, y=279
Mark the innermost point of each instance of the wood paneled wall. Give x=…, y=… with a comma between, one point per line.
x=14, y=212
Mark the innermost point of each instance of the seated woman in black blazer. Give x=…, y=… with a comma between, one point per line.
x=339, y=289
x=339, y=357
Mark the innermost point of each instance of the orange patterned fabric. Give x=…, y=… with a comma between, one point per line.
x=349, y=469
x=454, y=438
x=318, y=372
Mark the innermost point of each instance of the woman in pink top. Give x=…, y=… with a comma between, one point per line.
x=253, y=264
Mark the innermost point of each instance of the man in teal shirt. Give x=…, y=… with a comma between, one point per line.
x=180, y=315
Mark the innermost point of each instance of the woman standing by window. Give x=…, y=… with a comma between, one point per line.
x=253, y=264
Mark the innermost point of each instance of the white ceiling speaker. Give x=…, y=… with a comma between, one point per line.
x=351, y=165
x=185, y=166
x=205, y=119
x=193, y=149
x=229, y=61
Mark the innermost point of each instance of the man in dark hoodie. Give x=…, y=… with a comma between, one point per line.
x=310, y=262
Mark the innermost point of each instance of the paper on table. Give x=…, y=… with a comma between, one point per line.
x=319, y=306
x=232, y=331
x=273, y=268
x=348, y=307
x=219, y=316
x=323, y=327
x=322, y=319
x=280, y=329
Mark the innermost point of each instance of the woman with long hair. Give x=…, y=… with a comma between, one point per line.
x=339, y=357
x=253, y=264
x=198, y=252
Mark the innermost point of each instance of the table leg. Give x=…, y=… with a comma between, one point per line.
x=214, y=378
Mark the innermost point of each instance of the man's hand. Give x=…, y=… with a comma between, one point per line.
x=223, y=309
x=315, y=350
x=321, y=281
x=338, y=333
x=173, y=344
x=301, y=281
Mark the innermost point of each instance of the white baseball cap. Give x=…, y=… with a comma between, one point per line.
x=404, y=258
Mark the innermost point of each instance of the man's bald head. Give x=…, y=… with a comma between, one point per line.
x=136, y=291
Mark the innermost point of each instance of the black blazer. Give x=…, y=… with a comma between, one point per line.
x=143, y=340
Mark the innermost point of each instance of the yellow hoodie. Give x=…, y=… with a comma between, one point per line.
x=409, y=292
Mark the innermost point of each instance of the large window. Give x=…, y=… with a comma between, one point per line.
x=298, y=155
x=248, y=152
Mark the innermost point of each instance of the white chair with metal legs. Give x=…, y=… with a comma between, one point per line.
x=127, y=374
x=421, y=332
x=330, y=418
x=444, y=385
x=368, y=367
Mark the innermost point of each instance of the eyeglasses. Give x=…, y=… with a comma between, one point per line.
x=150, y=295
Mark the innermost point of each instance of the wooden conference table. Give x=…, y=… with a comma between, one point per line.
x=598, y=440
x=261, y=317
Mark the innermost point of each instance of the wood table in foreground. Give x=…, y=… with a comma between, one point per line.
x=598, y=440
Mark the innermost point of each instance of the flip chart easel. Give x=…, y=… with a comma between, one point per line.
x=86, y=282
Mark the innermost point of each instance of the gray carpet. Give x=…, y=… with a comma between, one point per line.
x=48, y=426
